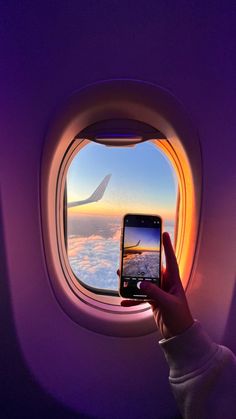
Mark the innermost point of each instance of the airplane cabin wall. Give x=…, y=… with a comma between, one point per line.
x=49, y=50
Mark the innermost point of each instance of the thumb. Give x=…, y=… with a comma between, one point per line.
x=155, y=293
x=171, y=263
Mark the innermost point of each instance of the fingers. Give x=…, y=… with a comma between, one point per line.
x=157, y=296
x=171, y=263
x=160, y=297
x=131, y=303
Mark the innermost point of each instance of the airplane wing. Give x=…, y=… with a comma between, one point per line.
x=96, y=195
x=135, y=245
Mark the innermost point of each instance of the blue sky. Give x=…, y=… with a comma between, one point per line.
x=142, y=180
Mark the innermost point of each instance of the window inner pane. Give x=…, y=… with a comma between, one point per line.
x=104, y=184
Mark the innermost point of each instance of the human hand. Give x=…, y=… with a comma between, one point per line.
x=169, y=303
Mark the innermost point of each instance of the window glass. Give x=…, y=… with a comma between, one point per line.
x=104, y=183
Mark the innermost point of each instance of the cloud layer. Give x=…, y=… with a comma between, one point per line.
x=94, y=250
x=95, y=259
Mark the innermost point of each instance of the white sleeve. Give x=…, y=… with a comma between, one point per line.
x=202, y=375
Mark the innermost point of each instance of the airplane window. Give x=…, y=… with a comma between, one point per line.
x=116, y=147
x=102, y=185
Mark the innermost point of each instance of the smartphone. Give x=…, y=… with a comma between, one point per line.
x=141, y=243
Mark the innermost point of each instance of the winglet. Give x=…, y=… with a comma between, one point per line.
x=96, y=195
x=99, y=192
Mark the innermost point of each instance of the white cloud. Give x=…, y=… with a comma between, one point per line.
x=95, y=259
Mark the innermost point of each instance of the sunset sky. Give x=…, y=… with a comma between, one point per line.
x=142, y=180
x=149, y=238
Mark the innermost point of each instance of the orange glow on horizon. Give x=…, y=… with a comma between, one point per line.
x=109, y=211
x=142, y=249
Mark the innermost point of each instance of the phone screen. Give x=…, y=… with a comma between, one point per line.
x=140, y=253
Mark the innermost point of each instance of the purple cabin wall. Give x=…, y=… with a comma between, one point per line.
x=49, y=50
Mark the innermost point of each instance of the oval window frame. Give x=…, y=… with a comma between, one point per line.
x=152, y=105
